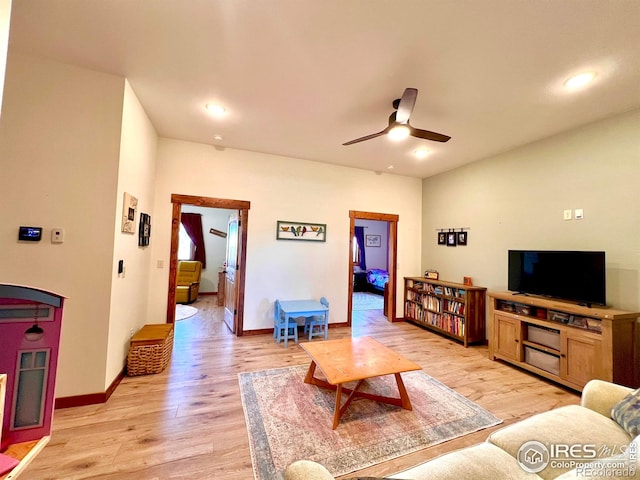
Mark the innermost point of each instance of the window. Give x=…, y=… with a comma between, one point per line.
x=355, y=251
x=185, y=245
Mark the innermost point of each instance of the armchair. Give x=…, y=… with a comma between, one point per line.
x=188, y=281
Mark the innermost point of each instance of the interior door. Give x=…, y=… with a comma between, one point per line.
x=230, y=290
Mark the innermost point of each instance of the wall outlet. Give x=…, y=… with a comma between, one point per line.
x=131, y=333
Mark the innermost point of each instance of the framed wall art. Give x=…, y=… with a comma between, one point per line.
x=373, y=240
x=311, y=232
x=144, y=230
x=442, y=238
x=462, y=238
x=451, y=239
x=129, y=208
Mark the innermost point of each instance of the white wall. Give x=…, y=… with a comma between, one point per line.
x=376, y=257
x=516, y=201
x=136, y=175
x=59, y=147
x=215, y=247
x=281, y=188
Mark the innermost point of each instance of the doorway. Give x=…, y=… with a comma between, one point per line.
x=390, y=304
x=236, y=322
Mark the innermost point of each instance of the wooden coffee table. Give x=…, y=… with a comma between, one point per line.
x=356, y=359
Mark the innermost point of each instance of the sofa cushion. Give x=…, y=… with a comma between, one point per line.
x=570, y=425
x=627, y=413
x=617, y=467
x=483, y=461
x=306, y=470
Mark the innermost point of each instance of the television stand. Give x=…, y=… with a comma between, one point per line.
x=565, y=342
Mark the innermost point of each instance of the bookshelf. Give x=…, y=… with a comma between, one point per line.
x=452, y=309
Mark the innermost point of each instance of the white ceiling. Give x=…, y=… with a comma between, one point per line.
x=301, y=77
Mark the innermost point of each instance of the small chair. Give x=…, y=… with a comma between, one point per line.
x=283, y=329
x=318, y=325
x=188, y=281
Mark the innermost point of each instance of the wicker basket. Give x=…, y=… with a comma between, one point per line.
x=150, y=349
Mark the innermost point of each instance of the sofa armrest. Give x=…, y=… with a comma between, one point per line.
x=601, y=396
x=306, y=470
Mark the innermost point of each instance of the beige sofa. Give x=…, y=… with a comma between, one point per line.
x=588, y=428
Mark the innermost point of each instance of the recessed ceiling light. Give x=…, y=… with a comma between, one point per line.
x=217, y=137
x=421, y=152
x=216, y=109
x=390, y=167
x=580, y=80
x=399, y=132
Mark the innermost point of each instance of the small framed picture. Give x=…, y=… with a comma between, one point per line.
x=373, y=240
x=442, y=238
x=451, y=239
x=462, y=238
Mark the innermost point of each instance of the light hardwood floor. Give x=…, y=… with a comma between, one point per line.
x=187, y=422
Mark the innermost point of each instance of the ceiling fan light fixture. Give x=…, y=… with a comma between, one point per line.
x=421, y=153
x=399, y=132
x=580, y=80
x=215, y=109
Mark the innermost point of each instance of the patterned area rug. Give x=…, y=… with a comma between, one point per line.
x=185, y=311
x=288, y=420
x=367, y=301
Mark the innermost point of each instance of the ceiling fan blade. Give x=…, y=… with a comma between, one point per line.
x=407, y=102
x=427, y=135
x=368, y=137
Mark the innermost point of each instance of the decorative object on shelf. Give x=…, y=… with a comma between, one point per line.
x=462, y=238
x=467, y=281
x=442, y=238
x=313, y=232
x=129, y=208
x=144, y=232
x=451, y=239
x=432, y=274
x=373, y=240
x=218, y=233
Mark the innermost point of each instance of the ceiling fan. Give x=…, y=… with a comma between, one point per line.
x=399, y=126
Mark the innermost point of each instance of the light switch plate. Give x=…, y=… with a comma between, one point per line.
x=579, y=214
x=567, y=214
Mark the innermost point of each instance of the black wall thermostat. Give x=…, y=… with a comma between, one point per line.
x=30, y=234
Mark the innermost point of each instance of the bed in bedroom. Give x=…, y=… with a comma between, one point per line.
x=376, y=279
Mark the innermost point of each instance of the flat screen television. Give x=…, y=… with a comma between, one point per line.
x=568, y=275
